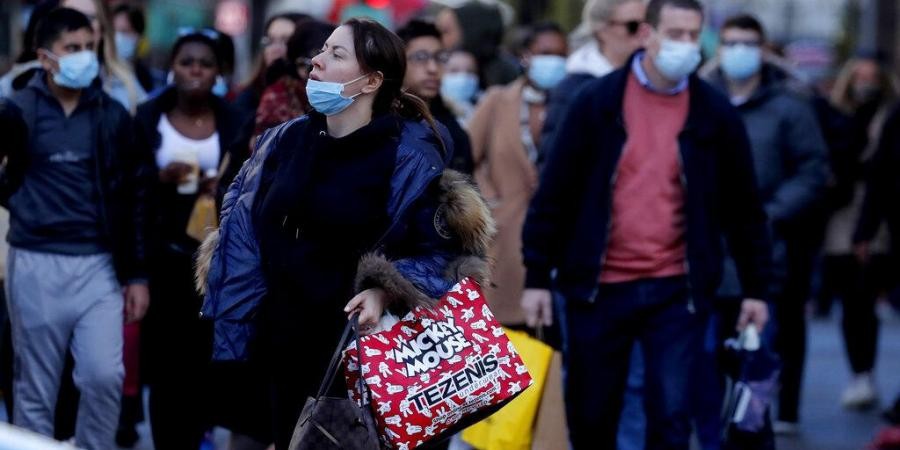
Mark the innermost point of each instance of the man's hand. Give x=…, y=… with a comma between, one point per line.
x=137, y=299
x=538, y=307
x=755, y=312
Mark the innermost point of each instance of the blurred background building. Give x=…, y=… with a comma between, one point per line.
x=814, y=34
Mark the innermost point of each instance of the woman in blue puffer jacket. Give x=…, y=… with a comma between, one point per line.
x=350, y=202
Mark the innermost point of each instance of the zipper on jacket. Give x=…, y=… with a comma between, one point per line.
x=691, y=307
x=609, y=207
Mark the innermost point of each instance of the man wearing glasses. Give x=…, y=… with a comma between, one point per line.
x=425, y=60
x=790, y=160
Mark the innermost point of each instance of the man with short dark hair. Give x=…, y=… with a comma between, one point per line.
x=791, y=161
x=76, y=236
x=649, y=168
x=425, y=60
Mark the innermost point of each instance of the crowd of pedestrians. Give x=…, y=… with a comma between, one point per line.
x=635, y=202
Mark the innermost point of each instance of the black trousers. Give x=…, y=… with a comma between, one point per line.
x=790, y=322
x=176, y=346
x=857, y=287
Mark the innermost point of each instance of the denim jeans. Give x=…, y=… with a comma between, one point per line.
x=599, y=338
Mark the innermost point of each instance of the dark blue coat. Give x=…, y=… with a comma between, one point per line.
x=235, y=283
x=567, y=224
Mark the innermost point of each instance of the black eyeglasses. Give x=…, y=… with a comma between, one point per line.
x=746, y=43
x=631, y=26
x=423, y=56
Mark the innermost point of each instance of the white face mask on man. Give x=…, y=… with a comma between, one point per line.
x=677, y=59
x=76, y=70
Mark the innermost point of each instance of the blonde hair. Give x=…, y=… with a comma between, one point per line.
x=110, y=61
x=596, y=12
x=841, y=93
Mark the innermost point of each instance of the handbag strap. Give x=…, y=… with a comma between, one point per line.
x=351, y=327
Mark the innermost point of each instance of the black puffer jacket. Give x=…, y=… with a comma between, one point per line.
x=122, y=176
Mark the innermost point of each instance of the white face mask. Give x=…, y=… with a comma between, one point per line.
x=677, y=59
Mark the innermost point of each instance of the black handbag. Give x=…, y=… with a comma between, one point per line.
x=336, y=422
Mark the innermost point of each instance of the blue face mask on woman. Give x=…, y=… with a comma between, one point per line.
x=76, y=70
x=126, y=45
x=327, y=97
x=459, y=86
x=546, y=71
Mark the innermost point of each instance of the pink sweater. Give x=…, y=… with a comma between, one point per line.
x=646, y=237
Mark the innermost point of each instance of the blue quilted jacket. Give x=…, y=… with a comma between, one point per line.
x=230, y=270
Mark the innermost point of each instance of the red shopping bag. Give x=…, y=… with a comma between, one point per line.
x=436, y=371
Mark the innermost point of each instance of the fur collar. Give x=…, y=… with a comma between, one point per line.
x=468, y=218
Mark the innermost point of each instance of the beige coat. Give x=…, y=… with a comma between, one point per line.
x=507, y=180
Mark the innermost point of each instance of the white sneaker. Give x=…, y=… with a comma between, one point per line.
x=861, y=393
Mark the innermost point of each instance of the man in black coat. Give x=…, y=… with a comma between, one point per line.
x=650, y=168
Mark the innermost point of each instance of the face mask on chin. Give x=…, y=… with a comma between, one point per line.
x=327, y=97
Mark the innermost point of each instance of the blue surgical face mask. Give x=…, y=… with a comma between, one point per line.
x=327, y=97
x=126, y=45
x=546, y=71
x=460, y=87
x=677, y=59
x=220, y=89
x=740, y=61
x=76, y=70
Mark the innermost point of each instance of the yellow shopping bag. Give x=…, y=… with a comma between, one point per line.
x=511, y=428
x=204, y=218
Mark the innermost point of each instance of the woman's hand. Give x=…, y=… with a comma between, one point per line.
x=370, y=305
x=175, y=173
x=208, y=185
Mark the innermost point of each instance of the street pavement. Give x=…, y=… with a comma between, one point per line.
x=825, y=425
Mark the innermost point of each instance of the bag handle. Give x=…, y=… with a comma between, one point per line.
x=351, y=327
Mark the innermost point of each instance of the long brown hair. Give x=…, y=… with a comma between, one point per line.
x=257, y=81
x=380, y=50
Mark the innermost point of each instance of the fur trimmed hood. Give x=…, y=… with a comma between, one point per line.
x=467, y=214
x=468, y=219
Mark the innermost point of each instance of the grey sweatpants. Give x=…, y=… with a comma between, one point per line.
x=60, y=302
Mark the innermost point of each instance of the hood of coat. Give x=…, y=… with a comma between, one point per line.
x=468, y=218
